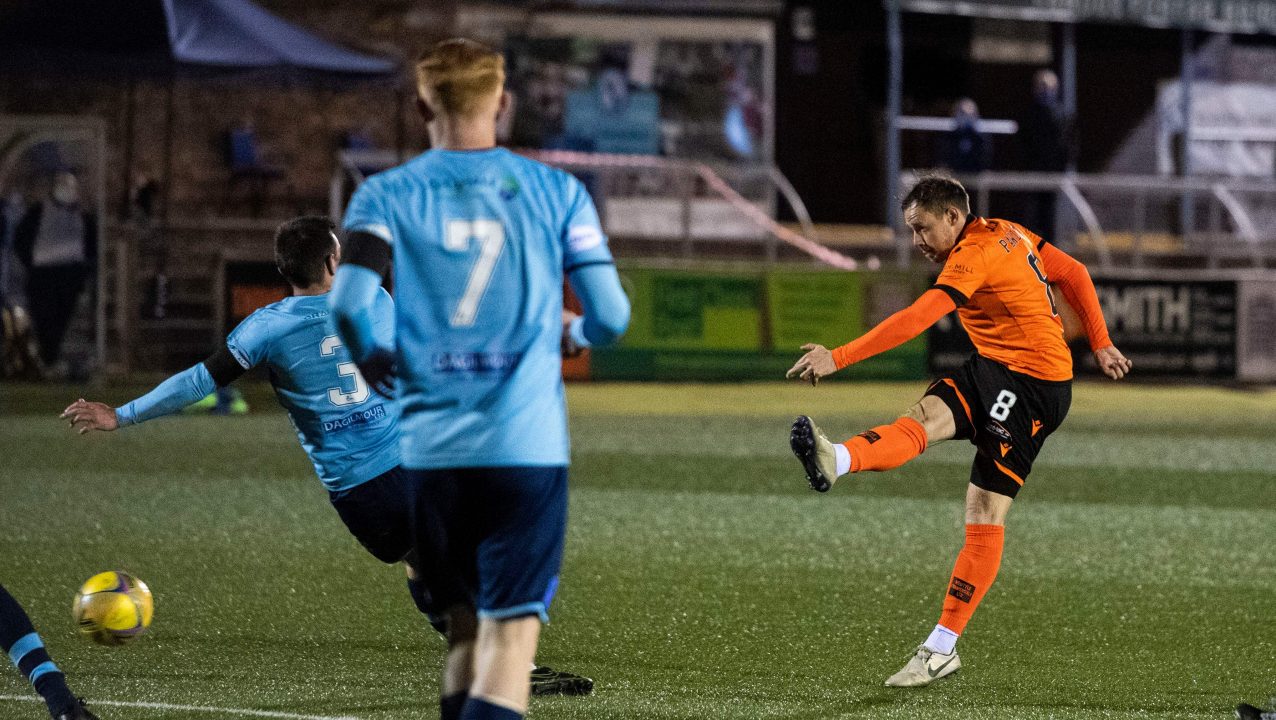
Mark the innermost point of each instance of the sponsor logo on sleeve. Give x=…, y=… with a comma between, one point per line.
x=584, y=237
x=239, y=356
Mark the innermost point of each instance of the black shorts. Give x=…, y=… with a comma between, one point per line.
x=379, y=513
x=1006, y=415
x=492, y=538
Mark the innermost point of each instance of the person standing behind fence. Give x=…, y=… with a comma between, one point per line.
x=966, y=150
x=1045, y=137
x=57, y=243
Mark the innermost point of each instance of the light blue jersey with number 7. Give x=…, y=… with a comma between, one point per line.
x=481, y=242
x=349, y=432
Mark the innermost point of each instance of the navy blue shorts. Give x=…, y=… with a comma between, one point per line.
x=379, y=513
x=492, y=538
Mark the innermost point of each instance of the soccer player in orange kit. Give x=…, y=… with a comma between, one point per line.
x=1006, y=399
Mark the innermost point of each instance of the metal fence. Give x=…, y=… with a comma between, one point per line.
x=1215, y=219
x=690, y=206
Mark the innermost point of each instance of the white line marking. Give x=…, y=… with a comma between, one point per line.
x=195, y=708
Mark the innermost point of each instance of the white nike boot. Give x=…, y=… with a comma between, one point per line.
x=925, y=668
x=816, y=453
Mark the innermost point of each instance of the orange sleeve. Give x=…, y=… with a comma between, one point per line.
x=1078, y=289
x=896, y=329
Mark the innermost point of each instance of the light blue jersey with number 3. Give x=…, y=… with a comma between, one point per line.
x=481, y=241
x=349, y=432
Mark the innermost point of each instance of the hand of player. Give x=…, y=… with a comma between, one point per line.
x=1112, y=362
x=378, y=370
x=568, y=346
x=815, y=364
x=85, y=416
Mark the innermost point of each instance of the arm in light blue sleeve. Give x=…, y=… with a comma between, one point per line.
x=354, y=292
x=168, y=397
x=606, y=308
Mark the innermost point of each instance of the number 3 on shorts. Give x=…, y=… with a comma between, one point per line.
x=1001, y=409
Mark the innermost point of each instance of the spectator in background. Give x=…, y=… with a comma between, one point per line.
x=966, y=151
x=57, y=243
x=611, y=115
x=1044, y=132
x=18, y=350
x=12, y=207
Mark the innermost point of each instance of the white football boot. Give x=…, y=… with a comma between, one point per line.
x=925, y=668
x=815, y=452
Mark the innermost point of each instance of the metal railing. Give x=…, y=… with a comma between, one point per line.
x=654, y=198
x=1110, y=203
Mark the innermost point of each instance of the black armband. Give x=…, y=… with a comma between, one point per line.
x=367, y=250
x=223, y=366
x=959, y=298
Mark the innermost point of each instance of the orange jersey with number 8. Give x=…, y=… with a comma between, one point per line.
x=999, y=284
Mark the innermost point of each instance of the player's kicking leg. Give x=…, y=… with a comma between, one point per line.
x=883, y=448
x=886, y=447
x=25, y=648
x=1007, y=416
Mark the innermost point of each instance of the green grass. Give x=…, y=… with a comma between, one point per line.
x=702, y=579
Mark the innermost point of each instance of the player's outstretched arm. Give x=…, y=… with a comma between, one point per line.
x=170, y=396
x=1072, y=278
x=605, y=305
x=819, y=361
x=353, y=296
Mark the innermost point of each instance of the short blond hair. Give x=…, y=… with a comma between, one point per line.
x=459, y=76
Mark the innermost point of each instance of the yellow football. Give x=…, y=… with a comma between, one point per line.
x=112, y=608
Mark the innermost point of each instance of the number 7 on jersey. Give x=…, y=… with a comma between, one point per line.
x=490, y=235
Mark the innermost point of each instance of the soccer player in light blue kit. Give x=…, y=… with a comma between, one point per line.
x=350, y=433
x=482, y=240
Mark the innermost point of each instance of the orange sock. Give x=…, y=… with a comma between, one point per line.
x=887, y=446
x=973, y=574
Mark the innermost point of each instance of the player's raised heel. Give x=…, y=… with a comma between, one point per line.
x=815, y=452
x=924, y=668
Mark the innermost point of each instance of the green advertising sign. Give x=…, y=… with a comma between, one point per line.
x=679, y=310
x=742, y=325
x=819, y=307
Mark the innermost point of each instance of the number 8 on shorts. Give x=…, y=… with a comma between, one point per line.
x=1000, y=410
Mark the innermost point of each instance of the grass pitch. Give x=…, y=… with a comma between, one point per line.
x=702, y=579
